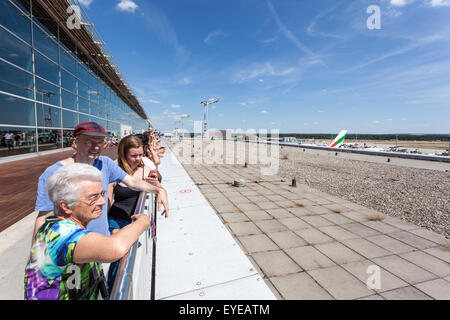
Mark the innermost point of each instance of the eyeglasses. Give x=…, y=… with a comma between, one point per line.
x=93, y=198
x=91, y=143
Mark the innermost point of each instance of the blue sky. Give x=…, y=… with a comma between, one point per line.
x=310, y=66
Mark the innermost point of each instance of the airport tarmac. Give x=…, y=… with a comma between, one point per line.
x=309, y=244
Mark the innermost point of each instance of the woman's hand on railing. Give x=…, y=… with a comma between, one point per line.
x=141, y=218
x=162, y=200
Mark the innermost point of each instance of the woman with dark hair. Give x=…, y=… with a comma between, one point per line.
x=122, y=198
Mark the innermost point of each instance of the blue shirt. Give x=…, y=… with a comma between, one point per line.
x=111, y=173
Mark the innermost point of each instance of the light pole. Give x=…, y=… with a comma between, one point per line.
x=205, y=113
x=182, y=117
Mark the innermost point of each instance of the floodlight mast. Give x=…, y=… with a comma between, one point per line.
x=205, y=114
x=182, y=117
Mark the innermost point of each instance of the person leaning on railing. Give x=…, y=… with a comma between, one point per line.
x=89, y=143
x=65, y=259
x=123, y=200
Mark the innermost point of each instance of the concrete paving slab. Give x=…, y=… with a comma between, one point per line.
x=339, y=253
x=294, y=223
x=299, y=211
x=412, y=240
x=309, y=258
x=374, y=297
x=366, y=248
x=338, y=233
x=299, y=286
x=234, y=217
x=440, y=252
x=275, y=263
x=380, y=226
x=258, y=215
x=406, y=293
x=340, y=284
x=317, y=221
x=247, y=206
x=267, y=205
x=312, y=236
x=319, y=210
x=279, y=213
x=269, y=226
x=390, y=244
x=287, y=239
x=438, y=289
x=336, y=208
x=355, y=215
x=257, y=243
x=360, y=229
x=400, y=224
x=360, y=269
x=404, y=269
x=428, y=262
x=429, y=235
x=244, y=228
x=337, y=218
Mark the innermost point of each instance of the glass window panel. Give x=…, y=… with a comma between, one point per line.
x=16, y=111
x=83, y=90
x=67, y=138
x=68, y=81
x=15, y=51
x=45, y=68
x=70, y=119
x=83, y=105
x=17, y=82
x=68, y=62
x=22, y=140
x=49, y=139
x=101, y=122
x=94, y=109
x=46, y=92
x=48, y=116
x=84, y=118
x=15, y=20
x=93, y=95
x=93, y=82
x=83, y=74
x=69, y=100
x=44, y=43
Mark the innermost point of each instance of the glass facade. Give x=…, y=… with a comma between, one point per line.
x=45, y=90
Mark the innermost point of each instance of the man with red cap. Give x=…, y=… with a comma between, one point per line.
x=89, y=142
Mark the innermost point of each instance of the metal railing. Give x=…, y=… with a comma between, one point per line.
x=134, y=278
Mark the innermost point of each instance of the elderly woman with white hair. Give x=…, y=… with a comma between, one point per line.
x=65, y=259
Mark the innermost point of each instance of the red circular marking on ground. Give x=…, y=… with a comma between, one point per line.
x=186, y=191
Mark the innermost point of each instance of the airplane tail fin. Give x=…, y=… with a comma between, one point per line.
x=339, y=139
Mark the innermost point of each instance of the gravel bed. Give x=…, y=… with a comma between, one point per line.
x=419, y=196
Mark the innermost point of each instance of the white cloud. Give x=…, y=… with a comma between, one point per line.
x=264, y=111
x=175, y=106
x=320, y=111
x=85, y=3
x=127, y=6
x=212, y=35
x=149, y=101
x=400, y=3
x=256, y=70
x=376, y=121
x=438, y=3
x=185, y=81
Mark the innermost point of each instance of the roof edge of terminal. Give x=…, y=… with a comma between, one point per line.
x=86, y=44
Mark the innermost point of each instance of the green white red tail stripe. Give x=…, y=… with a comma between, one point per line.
x=339, y=139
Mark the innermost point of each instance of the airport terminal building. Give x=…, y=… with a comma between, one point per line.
x=55, y=72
